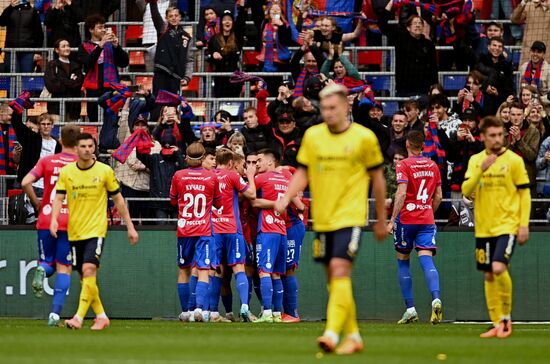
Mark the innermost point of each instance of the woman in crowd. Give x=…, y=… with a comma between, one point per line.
x=63, y=78
x=224, y=51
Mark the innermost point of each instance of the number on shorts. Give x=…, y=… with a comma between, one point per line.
x=197, y=203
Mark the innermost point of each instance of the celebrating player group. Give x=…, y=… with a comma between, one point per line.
x=246, y=217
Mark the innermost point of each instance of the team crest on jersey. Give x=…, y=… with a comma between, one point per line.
x=504, y=168
x=181, y=223
x=410, y=206
x=47, y=209
x=348, y=149
x=269, y=219
x=95, y=179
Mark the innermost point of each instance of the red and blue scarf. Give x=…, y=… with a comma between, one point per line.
x=119, y=96
x=139, y=138
x=211, y=29
x=479, y=98
x=273, y=51
x=433, y=148
x=110, y=73
x=530, y=78
x=7, y=161
x=299, y=88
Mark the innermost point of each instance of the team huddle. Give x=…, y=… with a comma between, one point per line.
x=246, y=216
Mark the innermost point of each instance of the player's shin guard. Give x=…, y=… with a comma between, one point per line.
x=214, y=290
x=62, y=284
x=504, y=284
x=250, y=287
x=430, y=274
x=87, y=294
x=183, y=294
x=241, y=282
x=339, y=303
x=192, y=292
x=278, y=292
x=266, y=285
x=48, y=269
x=202, y=295
x=290, y=303
x=405, y=281
x=492, y=298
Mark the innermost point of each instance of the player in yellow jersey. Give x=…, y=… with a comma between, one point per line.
x=338, y=159
x=498, y=181
x=87, y=184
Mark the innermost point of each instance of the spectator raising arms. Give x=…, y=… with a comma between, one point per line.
x=224, y=51
x=276, y=38
x=62, y=20
x=100, y=55
x=173, y=57
x=23, y=30
x=63, y=78
x=415, y=58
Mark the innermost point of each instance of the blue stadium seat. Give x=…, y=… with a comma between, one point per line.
x=454, y=82
x=33, y=84
x=380, y=83
x=390, y=107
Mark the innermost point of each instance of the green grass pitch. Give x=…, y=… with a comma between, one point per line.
x=127, y=341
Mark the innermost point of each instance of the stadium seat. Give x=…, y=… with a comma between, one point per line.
x=33, y=84
x=390, y=107
x=137, y=58
x=380, y=84
x=454, y=82
x=368, y=58
x=134, y=34
x=192, y=87
x=4, y=86
x=146, y=81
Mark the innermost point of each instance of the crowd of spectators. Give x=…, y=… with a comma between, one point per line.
x=151, y=155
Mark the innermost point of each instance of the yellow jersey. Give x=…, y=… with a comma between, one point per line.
x=337, y=167
x=86, y=191
x=496, y=195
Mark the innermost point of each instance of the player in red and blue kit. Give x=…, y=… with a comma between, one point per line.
x=194, y=190
x=295, y=231
x=417, y=198
x=228, y=234
x=54, y=253
x=271, y=245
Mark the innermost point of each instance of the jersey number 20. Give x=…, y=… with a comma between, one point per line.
x=196, y=203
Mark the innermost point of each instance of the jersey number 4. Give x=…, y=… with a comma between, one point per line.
x=422, y=194
x=194, y=205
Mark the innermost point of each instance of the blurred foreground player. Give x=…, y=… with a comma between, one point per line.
x=54, y=253
x=413, y=223
x=338, y=159
x=87, y=184
x=498, y=180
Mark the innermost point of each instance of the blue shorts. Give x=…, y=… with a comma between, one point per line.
x=271, y=253
x=418, y=236
x=54, y=250
x=228, y=248
x=295, y=238
x=195, y=251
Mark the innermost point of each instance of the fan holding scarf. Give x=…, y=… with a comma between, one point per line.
x=536, y=72
x=100, y=56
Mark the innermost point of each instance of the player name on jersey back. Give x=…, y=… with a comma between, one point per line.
x=272, y=186
x=226, y=219
x=422, y=177
x=49, y=168
x=194, y=190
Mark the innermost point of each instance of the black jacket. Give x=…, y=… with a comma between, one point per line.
x=229, y=62
x=174, y=56
x=162, y=169
x=499, y=75
x=23, y=27
x=63, y=24
x=89, y=60
x=63, y=84
x=257, y=138
x=31, y=143
x=415, y=59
